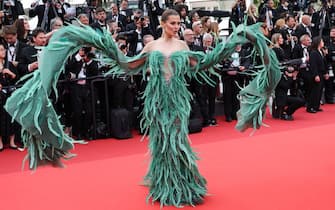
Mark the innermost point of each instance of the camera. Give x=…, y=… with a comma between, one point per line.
x=122, y=46
x=125, y=33
x=139, y=18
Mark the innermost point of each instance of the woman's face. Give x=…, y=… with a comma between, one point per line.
x=171, y=26
x=26, y=25
x=208, y=23
x=195, y=17
x=2, y=52
x=322, y=44
x=280, y=40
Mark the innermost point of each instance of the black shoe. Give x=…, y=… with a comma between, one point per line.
x=205, y=123
x=286, y=117
x=229, y=119
x=1, y=149
x=319, y=110
x=311, y=110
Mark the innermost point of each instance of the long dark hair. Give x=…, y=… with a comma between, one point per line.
x=316, y=42
x=19, y=24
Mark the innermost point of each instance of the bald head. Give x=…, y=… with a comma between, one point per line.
x=188, y=36
x=306, y=19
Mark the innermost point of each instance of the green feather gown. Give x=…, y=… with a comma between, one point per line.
x=173, y=176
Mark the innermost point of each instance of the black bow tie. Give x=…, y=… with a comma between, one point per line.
x=11, y=45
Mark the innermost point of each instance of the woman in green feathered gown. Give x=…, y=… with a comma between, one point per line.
x=173, y=177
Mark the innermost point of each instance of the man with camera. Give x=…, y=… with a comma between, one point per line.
x=290, y=40
x=46, y=12
x=137, y=29
x=10, y=11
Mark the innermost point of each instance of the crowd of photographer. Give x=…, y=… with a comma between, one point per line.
x=303, y=39
x=89, y=103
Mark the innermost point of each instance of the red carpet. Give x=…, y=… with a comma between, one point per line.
x=287, y=166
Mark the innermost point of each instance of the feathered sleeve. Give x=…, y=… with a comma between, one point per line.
x=30, y=105
x=253, y=97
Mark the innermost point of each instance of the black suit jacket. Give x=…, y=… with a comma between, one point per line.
x=317, y=20
x=317, y=63
x=73, y=66
x=18, y=49
x=98, y=26
x=121, y=20
x=20, y=46
x=4, y=79
x=300, y=30
x=287, y=45
x=52, y=13
x=27, y=56
x=297, y=52
x=132, y=39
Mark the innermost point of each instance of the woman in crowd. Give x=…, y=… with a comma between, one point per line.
x=214, y=30
x=194, y=17
x=7, y=79
x=317, y=72
x=252, y=14
x=23, y=29
x=279, y=26
x=284, y=105
x=206, y=24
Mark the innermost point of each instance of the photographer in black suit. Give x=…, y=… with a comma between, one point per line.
x=285, y=104
x=46, y=12
x=78, y=67
x=137, y=30
x=290, y=40
x=11, y=9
